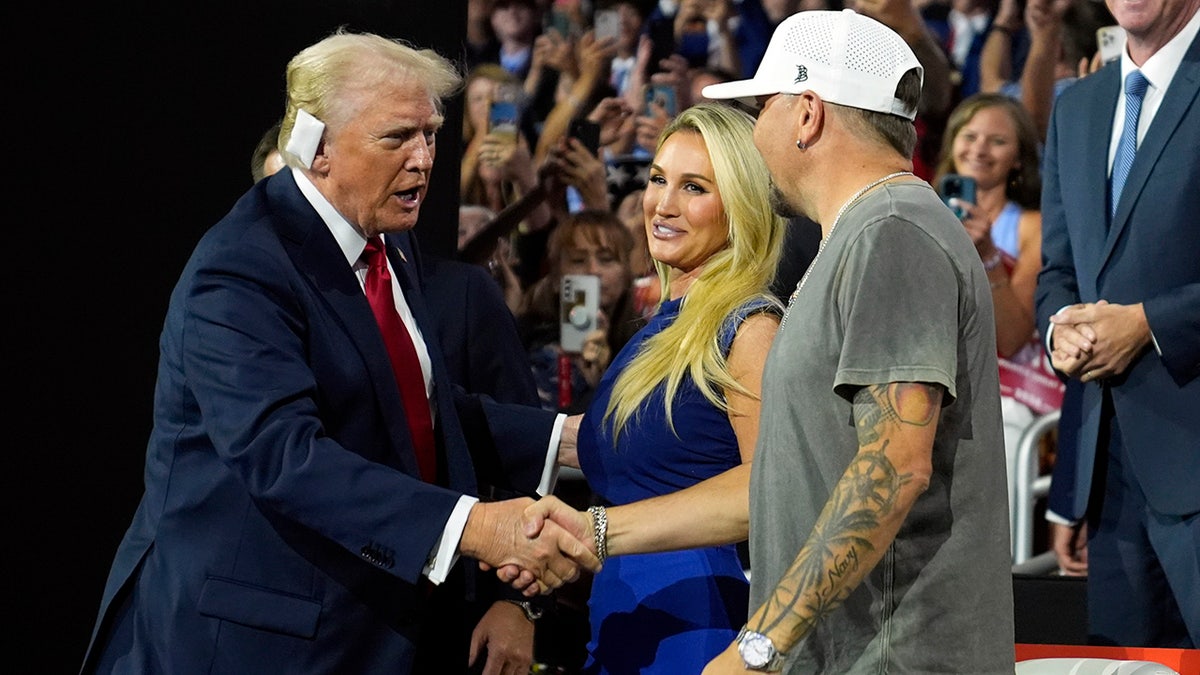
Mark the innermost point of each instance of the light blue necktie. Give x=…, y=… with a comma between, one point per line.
x=1135, y=89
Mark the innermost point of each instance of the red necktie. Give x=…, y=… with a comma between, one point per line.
x=405, y=365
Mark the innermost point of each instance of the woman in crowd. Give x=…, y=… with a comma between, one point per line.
x=497, y=164
x=675, y=418
x=594, y=242
x=991, y=139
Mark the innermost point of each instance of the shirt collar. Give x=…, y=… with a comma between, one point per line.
x=1161, y=67
x=349, y=238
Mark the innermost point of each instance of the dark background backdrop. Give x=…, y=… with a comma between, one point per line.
x=129, y=132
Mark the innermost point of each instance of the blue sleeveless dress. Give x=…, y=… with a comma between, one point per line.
x=662, y=612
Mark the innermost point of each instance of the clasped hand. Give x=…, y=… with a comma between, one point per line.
x=1097, y=340
x=497, y=534
x=542, y=518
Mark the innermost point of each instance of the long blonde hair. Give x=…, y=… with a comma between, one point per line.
x=736, y=274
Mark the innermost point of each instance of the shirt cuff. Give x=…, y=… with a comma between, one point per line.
x=1055, y=518
x=445, y=550
x=550, y=471
x=1050, y=332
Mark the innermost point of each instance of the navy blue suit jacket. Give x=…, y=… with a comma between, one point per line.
x=283, y=527
x=1150, y=254
x=476, y=331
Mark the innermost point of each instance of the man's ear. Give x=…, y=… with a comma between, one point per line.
x=810, y=118
x=320, y=163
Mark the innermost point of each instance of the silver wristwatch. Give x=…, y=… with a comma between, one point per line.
x=758, y=652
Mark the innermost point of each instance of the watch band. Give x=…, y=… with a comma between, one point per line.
x=532, y=611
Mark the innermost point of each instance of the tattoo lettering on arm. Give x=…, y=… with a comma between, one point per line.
x=848, y=540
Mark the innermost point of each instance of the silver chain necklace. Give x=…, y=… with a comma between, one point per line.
x=836, y=219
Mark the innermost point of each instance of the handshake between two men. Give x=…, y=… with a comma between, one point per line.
x=535, y=547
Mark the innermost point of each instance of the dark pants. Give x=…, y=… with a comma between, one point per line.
x=1143, y=566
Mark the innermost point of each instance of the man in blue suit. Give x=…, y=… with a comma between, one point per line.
x=285, y=526
x=1120, y=294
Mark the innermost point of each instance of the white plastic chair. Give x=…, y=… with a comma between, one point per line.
x=1091, y=666
x=1028, y=486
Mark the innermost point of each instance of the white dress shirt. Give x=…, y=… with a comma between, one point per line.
x=352, y=242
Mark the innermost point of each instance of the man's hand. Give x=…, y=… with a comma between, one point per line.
x=577, y=523
x=1119, y=333
x=1069, y=544
x=494, y=535
x=507, y=635
x=1071, y=348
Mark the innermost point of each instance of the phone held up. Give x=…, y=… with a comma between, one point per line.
x=588, y=133
x=962, y=188
x=607, y=24
x=1111, y=42
x=662, y=95
x=579, y=302
x=504, y=112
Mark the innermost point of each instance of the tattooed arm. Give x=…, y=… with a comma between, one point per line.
x=896, y=425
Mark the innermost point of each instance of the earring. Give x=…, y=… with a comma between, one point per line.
x=801, y=145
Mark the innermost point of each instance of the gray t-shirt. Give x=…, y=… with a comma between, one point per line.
x=898, y=295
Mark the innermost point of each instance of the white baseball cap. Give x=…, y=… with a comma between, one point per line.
x=845, y=57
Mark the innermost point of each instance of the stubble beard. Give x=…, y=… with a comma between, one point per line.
x=781, y=205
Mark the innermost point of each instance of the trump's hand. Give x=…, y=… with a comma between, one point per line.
x=494, y=535
x=507, y=636
x=577, y=523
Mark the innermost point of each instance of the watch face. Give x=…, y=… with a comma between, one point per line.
x=756, y=650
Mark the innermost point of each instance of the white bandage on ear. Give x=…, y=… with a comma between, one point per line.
x=305, y=137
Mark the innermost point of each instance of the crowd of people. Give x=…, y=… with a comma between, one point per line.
x=843, y=255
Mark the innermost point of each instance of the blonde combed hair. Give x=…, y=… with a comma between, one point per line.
x=733, y=276
x=323, y=79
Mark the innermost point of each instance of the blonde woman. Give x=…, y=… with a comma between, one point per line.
x=675, y=417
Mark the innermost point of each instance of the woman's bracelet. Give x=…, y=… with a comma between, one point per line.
x=599, y=531
x=992, y=262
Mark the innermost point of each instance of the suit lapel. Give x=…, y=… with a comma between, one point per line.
x=1095, y=144
x=319, y=258
x=405, y=258
x=1180, y=97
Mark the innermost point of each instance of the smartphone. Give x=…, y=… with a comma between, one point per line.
x=579, y=302
x=663, y=95
x=1110, y=40
x=588, y=133
x=559, y=21
x=607, y=24
x=503, y=118
x=954, y=186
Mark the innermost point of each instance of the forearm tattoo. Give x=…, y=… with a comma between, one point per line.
x=834, y=559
